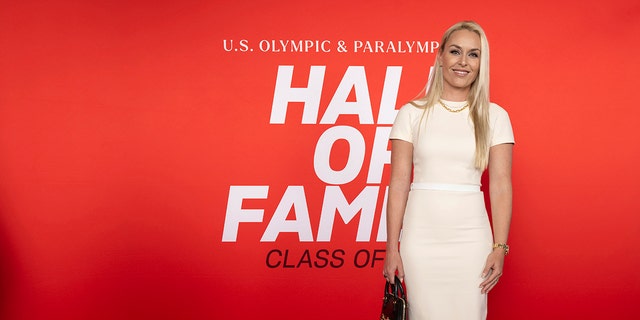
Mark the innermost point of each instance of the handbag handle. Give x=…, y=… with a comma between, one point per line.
x=396, y=288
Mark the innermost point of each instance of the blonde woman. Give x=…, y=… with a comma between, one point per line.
x=450, y=256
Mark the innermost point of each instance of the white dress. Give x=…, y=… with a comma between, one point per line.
x=446, y=235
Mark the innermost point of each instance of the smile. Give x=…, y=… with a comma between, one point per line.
x=461, y=73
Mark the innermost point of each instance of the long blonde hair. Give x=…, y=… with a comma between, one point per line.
x=478, y=94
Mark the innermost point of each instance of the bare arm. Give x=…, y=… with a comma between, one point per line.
x=500, y=193
x=399, y=185
x=500, y=190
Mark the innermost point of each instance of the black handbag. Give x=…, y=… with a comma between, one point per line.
x=394, y=302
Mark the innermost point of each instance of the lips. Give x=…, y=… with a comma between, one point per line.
x=461, y=73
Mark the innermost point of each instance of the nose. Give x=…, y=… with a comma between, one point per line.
x=463, y=60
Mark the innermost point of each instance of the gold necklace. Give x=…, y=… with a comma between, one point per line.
x=451, y=109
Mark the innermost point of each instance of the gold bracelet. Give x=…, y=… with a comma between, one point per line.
x=503, y=246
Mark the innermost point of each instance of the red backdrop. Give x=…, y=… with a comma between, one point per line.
x=145, y=171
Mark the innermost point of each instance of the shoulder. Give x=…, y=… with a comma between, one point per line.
x=411, y=108
x=497, y=110
x=501, y=130
x=407, y=119
x=498, y=113
x=409, y=112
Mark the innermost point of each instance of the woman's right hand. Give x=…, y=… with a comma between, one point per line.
x=393, y=266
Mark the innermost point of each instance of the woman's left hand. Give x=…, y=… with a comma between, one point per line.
x=492, y=270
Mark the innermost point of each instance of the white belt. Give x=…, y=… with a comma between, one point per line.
x=445, y=186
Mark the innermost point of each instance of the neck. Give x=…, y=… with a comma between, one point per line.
x=454, y=94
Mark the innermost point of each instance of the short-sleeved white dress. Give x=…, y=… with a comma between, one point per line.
x=446, y=235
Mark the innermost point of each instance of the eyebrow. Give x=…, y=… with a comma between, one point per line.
x=459, y=47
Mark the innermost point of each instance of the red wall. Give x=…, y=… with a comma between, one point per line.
x=129, y=136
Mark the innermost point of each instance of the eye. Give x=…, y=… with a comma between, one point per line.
x=474, y=55
x=454, y=52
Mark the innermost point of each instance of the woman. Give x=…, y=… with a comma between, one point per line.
x=448, y=256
